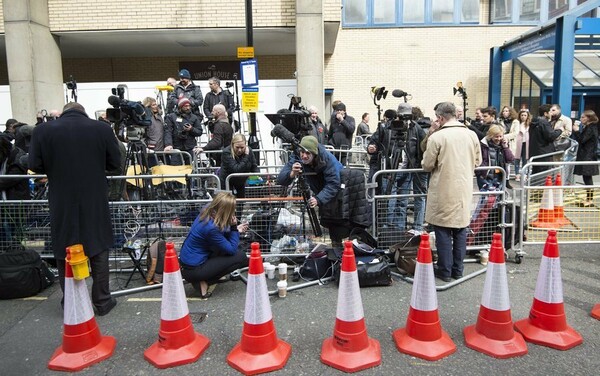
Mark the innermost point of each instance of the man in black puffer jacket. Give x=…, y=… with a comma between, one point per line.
x=541, y=137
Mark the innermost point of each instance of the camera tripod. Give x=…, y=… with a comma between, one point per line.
x=137, y=157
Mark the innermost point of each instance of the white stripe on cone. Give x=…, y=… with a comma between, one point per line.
x=547, y=200
x=558, y=197
x=424, y=297
x=174, y=304
x=349, y=306
x=258, y=308
x=78, y=307
x=495, y=289
x=548, y=288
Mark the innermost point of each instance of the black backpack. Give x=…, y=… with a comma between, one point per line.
x=22, y=273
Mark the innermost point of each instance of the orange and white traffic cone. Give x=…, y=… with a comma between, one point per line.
x=259, y=350
x=596, y=312
x=559, y=205
x=350, y=349
x=545, y=217
x=83, y=344
x=423, y=335
x=547, y=323
x=177, y=343
x=494, y=334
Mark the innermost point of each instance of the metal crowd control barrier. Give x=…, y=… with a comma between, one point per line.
x=355, y=157
x=574, y=222
x=276, y=214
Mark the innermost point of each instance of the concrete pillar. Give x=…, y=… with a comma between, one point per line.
x=33, y=59
x=310, y=54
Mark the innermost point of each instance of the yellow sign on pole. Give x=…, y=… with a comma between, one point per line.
x=245, y=52
x=250, y=100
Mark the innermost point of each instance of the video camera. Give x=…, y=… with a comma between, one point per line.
x=129, y=118
x=294, y=119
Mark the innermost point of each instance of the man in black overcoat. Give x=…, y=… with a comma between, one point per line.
x=75, y=152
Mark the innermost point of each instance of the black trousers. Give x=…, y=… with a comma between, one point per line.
x=101, y=297
x=214, y=268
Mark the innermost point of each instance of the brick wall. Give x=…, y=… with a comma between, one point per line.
x=425, y=62
x=157, y=14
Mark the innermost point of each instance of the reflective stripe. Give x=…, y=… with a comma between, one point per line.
x=258, y=308
x=349, y=307
x=78, y=306
x=424, y=297
x=548, y=288
x=174, y=305
x=495, y=290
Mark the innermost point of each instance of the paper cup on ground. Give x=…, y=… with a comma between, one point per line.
x=282, y=289
x=270, y=271
x=282, y=271
x=484, y=257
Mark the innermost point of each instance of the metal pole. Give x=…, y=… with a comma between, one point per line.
x=252, y=139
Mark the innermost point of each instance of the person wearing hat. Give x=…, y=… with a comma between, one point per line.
x=380, y=147
x=409, y=181
x=341, y=129
x=186, y=88
x=181, y=129
x=322, y=173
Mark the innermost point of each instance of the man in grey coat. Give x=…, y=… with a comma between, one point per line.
x=451, y=155
x=75, y=152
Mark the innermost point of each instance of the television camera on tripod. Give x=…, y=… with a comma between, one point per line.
x=130, y=121
x=287, y=126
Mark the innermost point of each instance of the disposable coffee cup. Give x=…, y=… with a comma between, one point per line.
x=282, y=271
x=484, y=257
x=270, y=271
x=282, y=289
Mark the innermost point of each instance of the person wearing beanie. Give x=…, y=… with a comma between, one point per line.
x=181, y=129
x=186, y=88
x=341, y=129
x=322, y=173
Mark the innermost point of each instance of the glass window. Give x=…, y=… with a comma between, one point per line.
x=470, y=11
x=530, y=10
x=384, y=11
x=557, y=7
x=443, y=11
x=355, y=11
x=414, y=11
x=501, y=10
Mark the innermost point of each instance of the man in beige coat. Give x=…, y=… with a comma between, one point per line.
x=451, y=155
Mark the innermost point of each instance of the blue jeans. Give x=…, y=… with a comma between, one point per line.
x=397, y=207
x=451, y=244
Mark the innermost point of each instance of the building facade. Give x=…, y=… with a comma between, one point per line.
x=336, y=49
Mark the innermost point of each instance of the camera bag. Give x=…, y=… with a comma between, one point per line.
x=317, y=265
x=372, y=266
x=23, y=273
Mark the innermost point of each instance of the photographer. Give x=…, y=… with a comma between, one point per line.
x=217, y=95
x=155, y=132
x=380, y=147
x=322, y=173
x=186, y=89
x=417, y=181
x=341, y=129
x=222, y=134
x=181, y=129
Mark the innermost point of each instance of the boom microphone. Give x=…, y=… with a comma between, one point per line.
x=399, y=93
x=283, y=133
x=287, y=136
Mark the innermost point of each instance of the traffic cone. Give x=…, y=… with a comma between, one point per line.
x=83, y=344
x=350, y=349
x=177, y=343
x=545, y=217
x=494, y=334
x=423, y=335
x=547, y=323
x=259, y=350
x=596, y=312
x=559, y=205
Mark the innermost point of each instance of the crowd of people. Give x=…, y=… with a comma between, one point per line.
x=432, y=159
